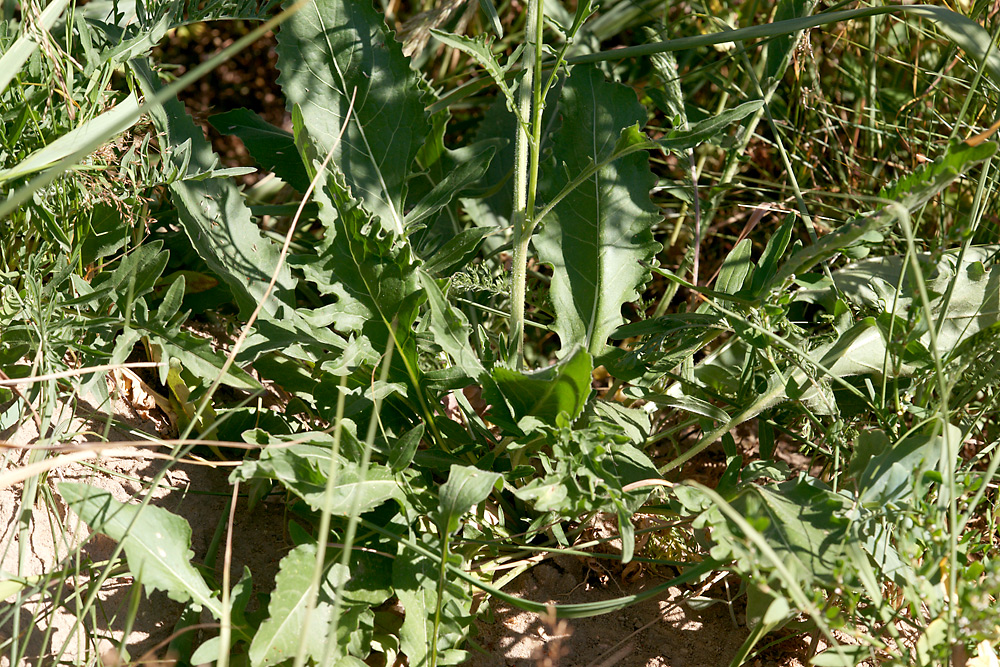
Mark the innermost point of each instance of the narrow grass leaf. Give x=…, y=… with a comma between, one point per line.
x=14, y=57
x=113, y=121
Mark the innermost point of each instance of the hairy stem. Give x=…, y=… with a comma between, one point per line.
x=525, y=177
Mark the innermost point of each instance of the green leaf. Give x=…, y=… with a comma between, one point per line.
x=711, y=127
x=136, y=274
x=213, y=213
x=195, y=355
x=113, y=121
x=278, y=637
x=562, y=388
x=766, y=611
x=414, y=579
x=402, y=451
x=598, y=233
x=767, y=267
x=466, y=486
x=272, y=147
x=302, y=469
x=450, y=328
x=480, y=50
x=372, y=273
x=18, y=53
x=331, y=51
x=491, y=12
x=157, y=544
x=892, y=475
x=911, y=193
x=415, y=582
x=735, y=268
x=456, y=252
x=918, y=187
x=971, y=307
x=803, y=522
x=472, y=163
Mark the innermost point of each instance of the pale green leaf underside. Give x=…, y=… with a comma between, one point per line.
x=597, y=235
x=157, y=545
x=278, y=637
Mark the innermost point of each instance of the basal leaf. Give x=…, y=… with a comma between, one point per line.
x=157, y=544
x=964, y=288
x=803, y=522
x=272, y=147
x=278, y=637
x=543, y=394
x=414, y=579
x=596, y=236
x=331, y=51
x=213, y=213
x=303, y=469
x=893, y=474
x=195, y=355
x=371, y=272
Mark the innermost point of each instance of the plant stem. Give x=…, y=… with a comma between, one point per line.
x=445, y=541
x=525, y=177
